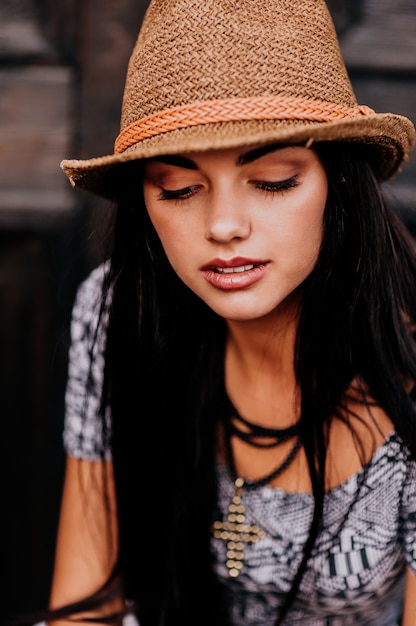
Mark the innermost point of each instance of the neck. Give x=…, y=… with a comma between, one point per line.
x=259, y=373
x=268, y=341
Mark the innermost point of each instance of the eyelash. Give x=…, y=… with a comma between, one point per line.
x=177, y=194
x=277, y=187
x=268, y=187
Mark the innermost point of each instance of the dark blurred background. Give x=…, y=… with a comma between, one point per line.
x=62, y=71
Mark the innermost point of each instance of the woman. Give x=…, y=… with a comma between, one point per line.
x=240, y=428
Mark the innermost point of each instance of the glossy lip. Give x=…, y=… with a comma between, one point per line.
x=247, y=272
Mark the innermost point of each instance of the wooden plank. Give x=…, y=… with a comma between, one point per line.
x=384, y=39
x=35, y=118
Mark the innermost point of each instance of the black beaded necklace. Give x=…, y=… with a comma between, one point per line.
x=255, y=436
x=235, y=532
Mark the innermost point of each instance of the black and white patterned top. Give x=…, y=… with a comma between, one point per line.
x=355, y=575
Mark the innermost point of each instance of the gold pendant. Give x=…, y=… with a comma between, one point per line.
x=235, y=532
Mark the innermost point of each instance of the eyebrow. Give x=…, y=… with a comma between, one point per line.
x=243, y=159
x=178, y=161
x=257, y=153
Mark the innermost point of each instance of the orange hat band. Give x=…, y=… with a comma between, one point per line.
x=234, y=110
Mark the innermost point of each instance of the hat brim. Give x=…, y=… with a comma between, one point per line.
x=390, y=136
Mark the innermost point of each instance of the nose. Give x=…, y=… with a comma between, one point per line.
x=226, y=219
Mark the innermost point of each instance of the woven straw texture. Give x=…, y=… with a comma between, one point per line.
x=223, y=73
x=216, y=52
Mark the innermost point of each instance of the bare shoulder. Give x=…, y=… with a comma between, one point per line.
x=355, y=436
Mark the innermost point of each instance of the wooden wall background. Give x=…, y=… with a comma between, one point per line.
x=62, y=69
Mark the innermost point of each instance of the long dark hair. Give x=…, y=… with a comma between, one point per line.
x=164, y=379
x=354, y=323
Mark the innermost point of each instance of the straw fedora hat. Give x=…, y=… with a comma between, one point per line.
x=207, y=74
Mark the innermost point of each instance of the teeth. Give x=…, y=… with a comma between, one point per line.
x=234, y=270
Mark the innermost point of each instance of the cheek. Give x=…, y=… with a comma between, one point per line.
x=169, y=238
x=304, y=242
x=171, y=223
x=313, y=218
x=311, y=244
x=150, y=204
x=312, y=234
x=172, y=237
x=160, y=219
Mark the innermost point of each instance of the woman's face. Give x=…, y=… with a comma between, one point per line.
x=242, y=228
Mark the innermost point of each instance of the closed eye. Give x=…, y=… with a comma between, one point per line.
x=178, y=194
x=277, y=186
